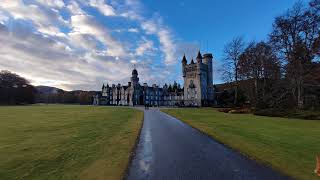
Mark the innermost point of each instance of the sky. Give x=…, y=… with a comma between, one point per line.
x=81, y=44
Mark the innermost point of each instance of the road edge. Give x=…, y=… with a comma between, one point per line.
x=258, y=161
x=125, y=173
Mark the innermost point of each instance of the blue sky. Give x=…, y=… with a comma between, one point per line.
x=80, y=44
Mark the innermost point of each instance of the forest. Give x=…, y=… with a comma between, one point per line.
x=282, y=72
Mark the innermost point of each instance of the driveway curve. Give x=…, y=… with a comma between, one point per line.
x=171, y=149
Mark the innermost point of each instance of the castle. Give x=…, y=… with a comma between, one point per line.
x=197, y=88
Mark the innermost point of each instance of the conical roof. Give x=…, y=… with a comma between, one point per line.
x=184, y=59
x=199, y=56
x=134, y=72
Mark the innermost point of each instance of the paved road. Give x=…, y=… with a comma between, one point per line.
x=170, y=149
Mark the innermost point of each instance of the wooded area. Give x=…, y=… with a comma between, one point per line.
x=283, y=72
x=16, y=90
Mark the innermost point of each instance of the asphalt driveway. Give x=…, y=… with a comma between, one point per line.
x=170, y=149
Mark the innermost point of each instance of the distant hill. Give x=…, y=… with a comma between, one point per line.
x=48, y=90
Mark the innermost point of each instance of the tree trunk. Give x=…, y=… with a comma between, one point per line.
x=236, y=95
x=300, y=93
x=256, y=90
x=236, y=88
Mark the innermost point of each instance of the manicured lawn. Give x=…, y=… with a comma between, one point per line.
x=288, y=145
x=66, y=142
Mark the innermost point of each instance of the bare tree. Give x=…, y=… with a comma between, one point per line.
x=294, y=36
x=259, y=63
x=232, y=52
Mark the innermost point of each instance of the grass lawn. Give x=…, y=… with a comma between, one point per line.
x=288, y=145
x=66, y=141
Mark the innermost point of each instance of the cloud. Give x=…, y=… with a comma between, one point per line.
x=164, y=35
x=144, y=47
x=52, y=3
x=53, y=63
x=133, y=30
x=104, y=8
x=3, y=18
x=86, y=25
x=74, y=8
x=44, y=18
x=61, y=43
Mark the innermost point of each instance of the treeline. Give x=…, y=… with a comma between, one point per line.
x=284, y=71
x=175, y=87
x=65, y=97
x=16, y=90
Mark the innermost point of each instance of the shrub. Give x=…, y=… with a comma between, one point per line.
x=314, y=115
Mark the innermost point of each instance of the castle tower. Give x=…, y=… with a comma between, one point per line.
x=134, y=78
x=207, y=59
x=192, y=82
x=198, y=85
x=134, y=94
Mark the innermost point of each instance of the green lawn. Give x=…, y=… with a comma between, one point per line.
x=66, y=141
x=288, y=145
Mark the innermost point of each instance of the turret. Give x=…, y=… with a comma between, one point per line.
x=199, y=58
x=192, y=62
x=165, y=86
x=207, y=59
x=134, y=72
x=199, y=62
x=134, y=77
x=184, y=63
x=184, y=60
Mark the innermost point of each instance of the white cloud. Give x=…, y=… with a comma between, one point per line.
x=166, y=40
x=85, y=24
x=44, y=18
x=74, y=8
x=79, y=51
x=3, y=18
x=44, y=60
x=133, y=30
x=144, y=47
x=52, y=3
x=104, y=8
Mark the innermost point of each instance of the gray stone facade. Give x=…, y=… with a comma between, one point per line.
x=197, y=89
x=198, y=83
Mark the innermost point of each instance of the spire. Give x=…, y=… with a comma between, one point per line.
x=199, y=57
x=184, y=59
x=192, y=62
